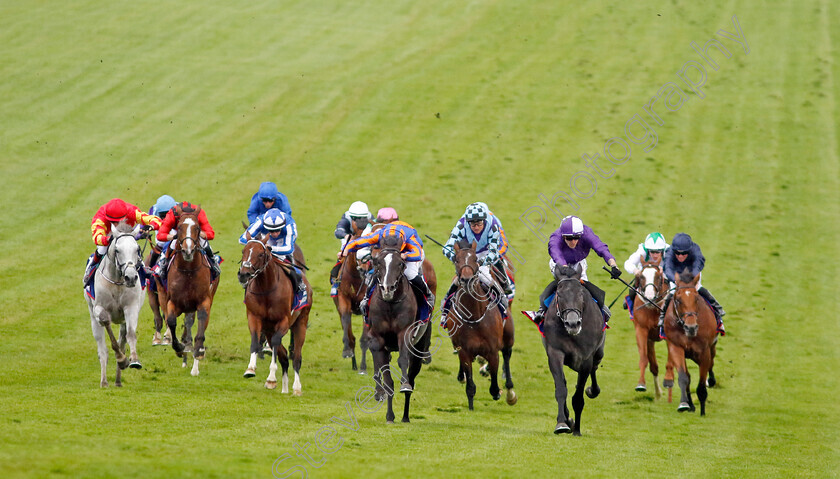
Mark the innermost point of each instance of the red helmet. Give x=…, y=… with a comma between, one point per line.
x=115, y=210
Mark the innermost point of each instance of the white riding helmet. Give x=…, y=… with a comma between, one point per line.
x=274, y=220
x=359, y=209
x=655, y=241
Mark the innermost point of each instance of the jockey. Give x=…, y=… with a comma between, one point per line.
x=685, y=253
x=354, y=221
x=112, y=213
x=282, y=234
x=412, y=252
x=160, y=209
x=266, y=198
x=569, y=246
x=651, y=250
x=170, y=221
x=479, y=225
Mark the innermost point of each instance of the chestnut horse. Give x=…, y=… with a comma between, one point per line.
x=190, y=288
x=477, y=327
x=269, y=297
x=691, y=333
x=574, y=337
x=650, y=282
x=351, y=291
x=157, y=297
x=393, y=308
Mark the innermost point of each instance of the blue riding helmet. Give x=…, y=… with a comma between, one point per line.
x=268, y=190
x=163, y=204
x=274, y=220
x=682, y=242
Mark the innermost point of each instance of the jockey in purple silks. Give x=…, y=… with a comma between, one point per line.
x=569, y=246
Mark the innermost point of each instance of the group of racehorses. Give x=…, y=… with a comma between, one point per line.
x=573, y=329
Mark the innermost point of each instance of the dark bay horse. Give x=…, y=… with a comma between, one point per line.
x=190, y=288
x=652, y=285
x=691, y=333
x=269, y=297
x=351, y=291
x=393, y=308
x=574, y=337
x=477, y=327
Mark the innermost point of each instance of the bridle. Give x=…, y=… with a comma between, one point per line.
x=113, y=257
x=681, y=316
x=469, y=284
x=379, y=272
x=561, y=314
x=266, y=253
x=656, y=285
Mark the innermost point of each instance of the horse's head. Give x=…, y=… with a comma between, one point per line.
x=125, y=253
x=255, y=258
x=687, y=303
x=389, y=266
x=188, y=231
x=466, y=262
x=651, y=281
x=569, y=298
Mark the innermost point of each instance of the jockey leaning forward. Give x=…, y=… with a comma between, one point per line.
x=282, y=234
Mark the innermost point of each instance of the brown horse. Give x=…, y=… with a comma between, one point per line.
x=269, y=297
x=157, y=297
x=651, y=284
x=477, y=327
x=351, y=291
x=393, y=310
x=691, y=333
x=190, y=288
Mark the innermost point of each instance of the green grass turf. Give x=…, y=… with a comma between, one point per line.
x=424, y=106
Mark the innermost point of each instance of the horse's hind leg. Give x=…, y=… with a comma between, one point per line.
x=255, y=327
x=172, y=323
x=363, y=348
x=282, y=355
x=594, y=390
x=298, y=336
x=511, y=394
x=643, y=345
x=101, y=350
x=122, y=360
x=493, y=368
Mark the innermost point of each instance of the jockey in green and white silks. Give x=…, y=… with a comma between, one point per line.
x=651, y=249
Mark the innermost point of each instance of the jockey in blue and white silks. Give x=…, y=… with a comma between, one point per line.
x=282, y=233
x=479, y=225
x=685, y=253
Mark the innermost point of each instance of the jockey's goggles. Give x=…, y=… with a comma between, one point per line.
x=267, y=200
x=572, y=237
x=681, y=252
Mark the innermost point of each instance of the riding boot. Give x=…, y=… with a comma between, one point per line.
x=711, y=299
x=368, y=280
x=334, y=272
x=662, y=314
x=90, y=269
x=540, y=314
x=211, y=258
x=503, y=278
x=444, y=307
x=631, y=299
x=297, y=283
x=420, y=285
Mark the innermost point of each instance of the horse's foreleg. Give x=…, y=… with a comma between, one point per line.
x=203, y=314
x=555, y=364
x=654, y=368
x=101, y=350
x=677, y=358
x=172, y=313
x=271, y=380
x=577, y=398
x=363, y=348
x=278, y=351
x=405, y=353
x=668, y=381
x=346, y=318
x=466, y=360
x=254, y=326
x=704, y=361
x=594, y=390
x=642, y=345
x=187, y=336
x=122, y=360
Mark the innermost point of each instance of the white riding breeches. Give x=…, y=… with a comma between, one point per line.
x=579, y=266
x=413, y=268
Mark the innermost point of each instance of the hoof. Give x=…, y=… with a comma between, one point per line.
x=118, y=384
x=156, y=341
x=511, y=397
x=249, y=373
x=123, y=364
x=198, y=354
x=592, y=393
x=187, y=348
x=426, y=360
x=347, y=353
x=641, y=388
x=362, y=372
x=406, y=388
x=389, y=422
x=562, y=428
x=297, y=392
x=271, y=384
x=683, y=407
x=462, y=380
x=496, y=396
x=135, y=365
x=405, y=419
x=266, y=348
x=667, y=383
x=194, y=373
x=483, y=371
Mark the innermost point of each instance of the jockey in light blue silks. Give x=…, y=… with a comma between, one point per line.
x=282, y=233
x=266, y=198
x=479, y=225
x=159, y=209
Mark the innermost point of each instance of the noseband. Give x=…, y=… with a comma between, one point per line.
x=120, y=267
x=257, y=271
x=561, y=314
x=681, y=316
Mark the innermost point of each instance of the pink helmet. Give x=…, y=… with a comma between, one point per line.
x=386, y=215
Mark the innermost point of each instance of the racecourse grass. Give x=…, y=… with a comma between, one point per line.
x=424, y=106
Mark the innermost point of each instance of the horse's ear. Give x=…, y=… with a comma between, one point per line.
x=263, y=238
x=457, y=247
x=474, y=246
x=248, y=236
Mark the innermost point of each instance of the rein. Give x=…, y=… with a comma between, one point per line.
x=468, y=284
x=258, y=271
x=562, y=314
x=681, y=316
x=120, y=268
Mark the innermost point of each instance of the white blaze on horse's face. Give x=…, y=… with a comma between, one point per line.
x=650, y=287
x=188, y=244
x=387, y=293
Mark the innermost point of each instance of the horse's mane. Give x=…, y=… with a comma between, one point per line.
x=391, y=242
x=463, y=243
x=565, y=272
x=686, y=276
x=123, y=228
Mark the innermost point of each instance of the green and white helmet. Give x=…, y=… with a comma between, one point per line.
x=655, y=242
